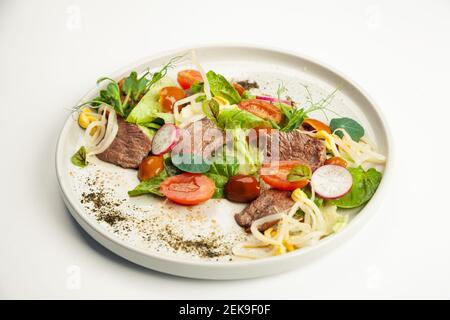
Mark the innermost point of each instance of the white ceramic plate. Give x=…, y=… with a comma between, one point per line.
x=196, y=242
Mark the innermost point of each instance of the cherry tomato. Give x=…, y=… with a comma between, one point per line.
x=168, y=96
x=187, y=78
x=262, y=109
x=275, y=174
x=338, y=161
x=150, y=167
x=242, y=188
x=313, y=124
x=188, y=188
x=240, y=89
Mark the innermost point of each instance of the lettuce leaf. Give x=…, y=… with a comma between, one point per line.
x=148, y=108
x=233, y=117
x=222, y=88
x=221, y=170
x=149, y=186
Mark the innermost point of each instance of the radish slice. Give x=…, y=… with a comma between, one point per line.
x=165, y=139
x=331, y=181
x=271, y=99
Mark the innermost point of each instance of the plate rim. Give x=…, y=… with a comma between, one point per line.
x=363, y=217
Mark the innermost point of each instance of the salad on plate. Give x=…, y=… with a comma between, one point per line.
x=202, y=137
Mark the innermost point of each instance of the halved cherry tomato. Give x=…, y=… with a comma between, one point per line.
x=168, y=96
x=338, y=161
x=313, y=124
x=240, y=89
x=150, y=167
x=275, y=174
x=188, y=188
x=262, y=109
x=187, y=78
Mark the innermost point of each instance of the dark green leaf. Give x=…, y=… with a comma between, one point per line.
x=150, y=186
x=300, y=172
x=190, y=163
x=365, y=183
x=222, y=88
x=170, y=168
x=79, y=158
x=353, y=128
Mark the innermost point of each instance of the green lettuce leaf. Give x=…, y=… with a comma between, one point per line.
x=220, y=87
x=221, y=170
x=149, y=186
x=233, y=117
x=148, y=108
x=365, y=183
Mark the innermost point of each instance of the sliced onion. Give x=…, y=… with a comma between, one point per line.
x=206, y=86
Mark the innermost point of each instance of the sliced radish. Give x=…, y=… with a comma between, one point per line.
x=165, y=139
x=272, y=99
x=331, y=181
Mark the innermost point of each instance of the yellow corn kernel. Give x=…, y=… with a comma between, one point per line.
x=280, y=250
x=298, y=195
x=83, y=120
x=289, y=247
x=322, y=134
x=222, y=101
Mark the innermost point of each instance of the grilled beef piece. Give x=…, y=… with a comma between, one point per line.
x=269, y=202
x=200, y=137
x=293, y=145
x=129, y=147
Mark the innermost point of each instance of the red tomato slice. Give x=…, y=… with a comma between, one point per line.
x=275, y=174
x=262, y=109
x=186, y=78
x=188, y=188
x=240, y=89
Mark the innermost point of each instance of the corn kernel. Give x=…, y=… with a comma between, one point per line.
x=298, y=195
x=280, y=250
x=222, y=101
x=83, y=120
x=289, y=247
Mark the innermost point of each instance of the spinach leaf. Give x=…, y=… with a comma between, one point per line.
x=79, y=158
x=221, y=170
x=221, y=87
x=300, y=172
x=149, y=186
x=193, y=163
x=353, y=128
x=170, y=168
x=365, y=183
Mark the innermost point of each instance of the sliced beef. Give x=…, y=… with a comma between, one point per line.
x=293, y=145
x=129, y=147
x=269, y=202
x=200, y=137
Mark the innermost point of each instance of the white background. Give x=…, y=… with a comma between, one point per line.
x=51, y=53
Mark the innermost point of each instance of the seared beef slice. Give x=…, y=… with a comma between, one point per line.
x=293, y=145
x=129, y=147
x=269, y=202
x=200, y=137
